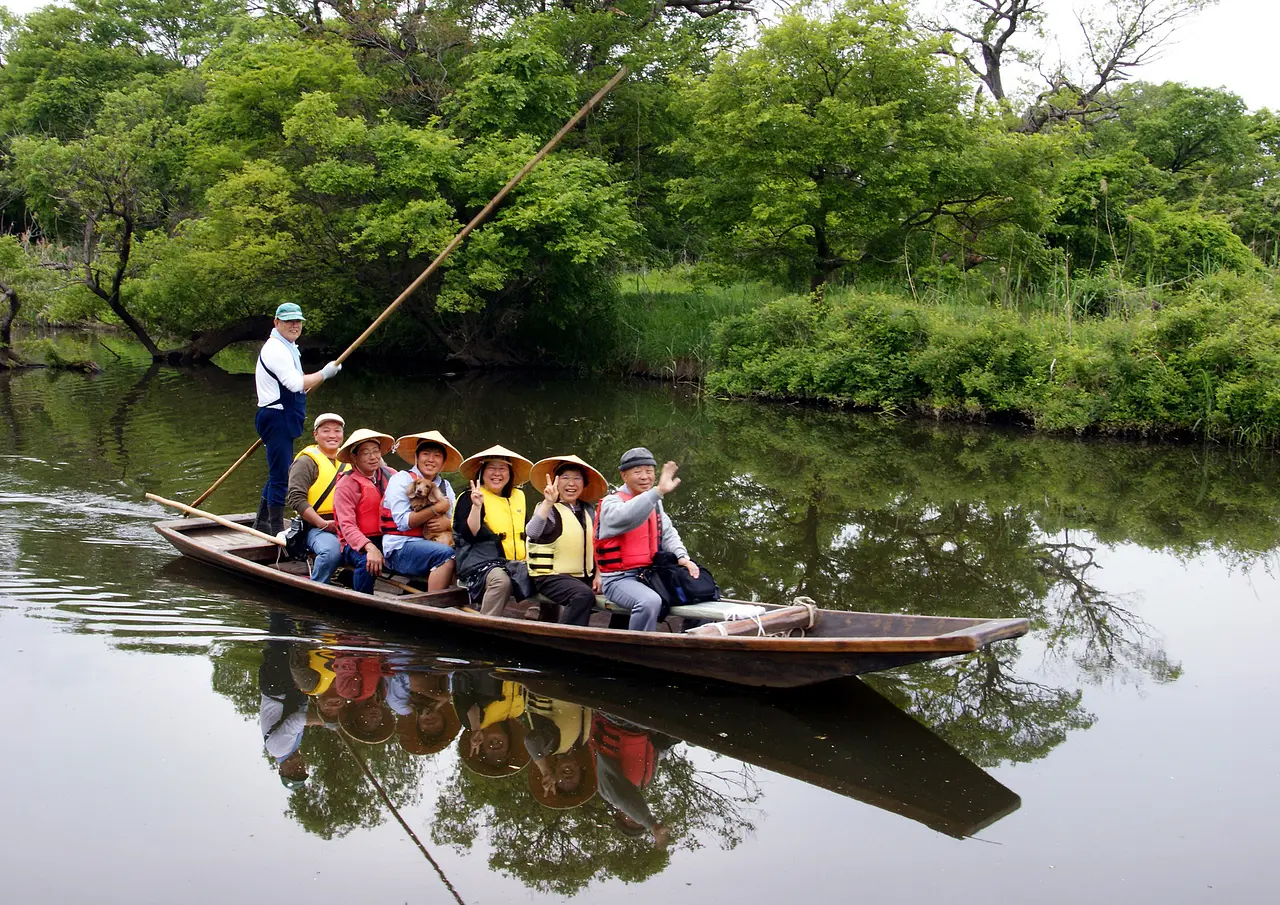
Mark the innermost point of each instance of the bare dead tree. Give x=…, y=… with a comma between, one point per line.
x=1119, y=37
x=1130, y=34
x=990, y=27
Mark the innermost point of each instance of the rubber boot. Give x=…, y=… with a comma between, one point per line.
x=275, y=517
x=260, y=521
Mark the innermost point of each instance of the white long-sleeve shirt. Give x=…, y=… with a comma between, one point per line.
x=282, y=357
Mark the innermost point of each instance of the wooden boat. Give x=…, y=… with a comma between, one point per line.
x=833, y=644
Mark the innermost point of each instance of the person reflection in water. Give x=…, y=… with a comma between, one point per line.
x=558, y=742
x=492, y=744
x=425, y=719
x=293, y=697
x=365, y=716
x=626, y=758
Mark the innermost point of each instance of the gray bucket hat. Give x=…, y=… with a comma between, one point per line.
x=637, y=456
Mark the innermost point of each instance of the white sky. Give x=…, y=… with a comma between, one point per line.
x=1227, y=46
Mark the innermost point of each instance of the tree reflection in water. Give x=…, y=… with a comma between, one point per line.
x=563, y=851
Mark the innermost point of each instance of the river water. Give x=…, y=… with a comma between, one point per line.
x=1126, y=750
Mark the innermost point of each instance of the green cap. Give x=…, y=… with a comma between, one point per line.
x=289, y=312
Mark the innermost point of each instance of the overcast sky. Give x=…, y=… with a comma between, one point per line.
x=1229, y=46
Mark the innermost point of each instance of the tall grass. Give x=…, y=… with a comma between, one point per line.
x=667, y=320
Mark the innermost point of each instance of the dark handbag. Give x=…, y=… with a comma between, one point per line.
x=522, y=584
x=295, y=535
x=295, y=538
x=675, y=585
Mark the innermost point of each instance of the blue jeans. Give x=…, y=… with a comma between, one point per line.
x=327, y=549
x=361, y=580
x=417, y=557
x=274, y=429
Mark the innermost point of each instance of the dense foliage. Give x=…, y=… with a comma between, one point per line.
x=181, y=168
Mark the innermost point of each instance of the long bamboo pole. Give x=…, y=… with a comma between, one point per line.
x=224, y=522
x=449, y=249
x=404, y=824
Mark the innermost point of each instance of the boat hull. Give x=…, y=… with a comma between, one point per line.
x=842, y=644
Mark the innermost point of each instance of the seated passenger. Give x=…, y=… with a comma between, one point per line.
x=312, y=479
x=357, y=505
x=562, y=535
x=489, y=529
x=632, y=528
x=405, y=544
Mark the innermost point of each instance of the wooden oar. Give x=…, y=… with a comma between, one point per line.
x=224, y=522
x=448, y=249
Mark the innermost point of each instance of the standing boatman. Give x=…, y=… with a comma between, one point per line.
x=282, y=408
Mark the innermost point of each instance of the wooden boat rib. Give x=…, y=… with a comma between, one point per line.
x=839, y=644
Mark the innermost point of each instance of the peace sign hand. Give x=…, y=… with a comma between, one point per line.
x=551, y=493
x=477, y=493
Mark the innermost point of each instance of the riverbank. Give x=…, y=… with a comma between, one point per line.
x=1202, y=360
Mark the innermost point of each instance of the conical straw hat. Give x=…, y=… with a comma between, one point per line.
x=596, y=486
x=359, y=436
x=520, y=466
x=407, y=445
x=563, y=801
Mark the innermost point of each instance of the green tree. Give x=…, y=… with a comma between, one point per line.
x=823, y=146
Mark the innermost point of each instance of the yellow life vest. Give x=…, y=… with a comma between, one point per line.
x=569, y=554
x=509, y=707
x=572, y=720
x=321, y=662
x=326, y=469
x=505, y=517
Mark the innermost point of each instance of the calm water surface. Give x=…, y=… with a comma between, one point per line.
x=1126, y=750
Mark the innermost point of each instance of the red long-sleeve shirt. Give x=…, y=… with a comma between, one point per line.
x=347, y=498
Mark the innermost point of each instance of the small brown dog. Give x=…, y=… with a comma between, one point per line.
x=424, y=494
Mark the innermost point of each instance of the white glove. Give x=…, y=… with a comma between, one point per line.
x=330, y=371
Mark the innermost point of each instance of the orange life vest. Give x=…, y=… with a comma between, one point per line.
x=633, y=549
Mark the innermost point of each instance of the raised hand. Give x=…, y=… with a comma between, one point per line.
x=551, y=493
x=667, y=481
x=477, y=493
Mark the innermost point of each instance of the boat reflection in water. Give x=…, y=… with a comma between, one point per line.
x=601, y=769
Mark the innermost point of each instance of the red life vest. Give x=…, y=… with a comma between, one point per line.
x=633, y=549
x=357, y=677
x=369, y=506
x=631, y=749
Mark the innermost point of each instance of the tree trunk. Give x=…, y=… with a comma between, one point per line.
x=207, y=343
x=112, y=297
x=8, y=358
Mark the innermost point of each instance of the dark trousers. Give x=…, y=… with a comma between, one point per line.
x=273, y=428
x=574, y=594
